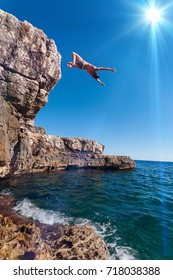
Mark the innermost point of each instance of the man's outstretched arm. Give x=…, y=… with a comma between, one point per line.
x=75, y=57
x=106, y=68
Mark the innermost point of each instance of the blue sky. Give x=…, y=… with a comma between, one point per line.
x=133, y=114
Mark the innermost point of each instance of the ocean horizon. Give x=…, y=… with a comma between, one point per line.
x=132, y=210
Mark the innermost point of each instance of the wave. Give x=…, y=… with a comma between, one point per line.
x=124, y=253
x=6, y=192
x=106, y=231
x=27, y=209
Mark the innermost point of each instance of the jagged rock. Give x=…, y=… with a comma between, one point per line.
x=23, y=239
x=80, y=243
x=21, y=242
x=9, y=134
x=119, y=162
x=29, y=69
x=29, y=65
x=40, y=152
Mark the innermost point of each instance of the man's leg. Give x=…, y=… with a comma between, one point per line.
x=100, y=82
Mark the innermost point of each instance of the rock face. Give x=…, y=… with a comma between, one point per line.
x=23, y=239
x=29, y=65
x=29, y=69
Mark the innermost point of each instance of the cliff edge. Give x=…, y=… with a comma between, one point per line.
x=29, y=69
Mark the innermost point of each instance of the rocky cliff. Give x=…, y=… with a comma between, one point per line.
x=29, y=69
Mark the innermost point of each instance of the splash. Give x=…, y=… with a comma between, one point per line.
x=27, y=209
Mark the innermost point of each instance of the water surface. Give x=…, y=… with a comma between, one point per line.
x=131, y=210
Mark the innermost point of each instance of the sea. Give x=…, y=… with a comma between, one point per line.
x=131, y=210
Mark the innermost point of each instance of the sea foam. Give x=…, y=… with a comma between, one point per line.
x=106, y=231
x=6, y=192
x=27, y=209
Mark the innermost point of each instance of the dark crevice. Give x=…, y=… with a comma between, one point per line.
x=7, y=68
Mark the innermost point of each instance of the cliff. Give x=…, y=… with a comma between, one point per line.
x=29, y=69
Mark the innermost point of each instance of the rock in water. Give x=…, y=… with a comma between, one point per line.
x=29, y=69
x=26, y=242
x=22, y=239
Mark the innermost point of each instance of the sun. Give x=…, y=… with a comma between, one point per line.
x=153, y=15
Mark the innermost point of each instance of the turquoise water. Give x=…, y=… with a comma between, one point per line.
x=131, y=210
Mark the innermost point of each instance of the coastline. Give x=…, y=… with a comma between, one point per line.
x=21, y=238
x=30, y=67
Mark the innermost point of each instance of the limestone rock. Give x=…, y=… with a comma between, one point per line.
x=23, y=239
x=40, y=152
x=29, y=69
x=119, y=162
x=29, y=65
x=80, y=243
x=25, y=242
x=21, y=242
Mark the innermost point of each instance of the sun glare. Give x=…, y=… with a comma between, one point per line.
x=153, y=15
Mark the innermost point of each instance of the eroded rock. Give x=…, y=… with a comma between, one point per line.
x=23, y=239
x=29, y=69
x=21, y=242
x=80, y=243
x=29, y=65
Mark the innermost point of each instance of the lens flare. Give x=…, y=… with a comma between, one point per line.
x=153, y=15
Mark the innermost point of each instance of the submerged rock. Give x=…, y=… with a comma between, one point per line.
x=29, y=69
x=26, y=240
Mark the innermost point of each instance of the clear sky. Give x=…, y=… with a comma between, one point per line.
x=133, y=114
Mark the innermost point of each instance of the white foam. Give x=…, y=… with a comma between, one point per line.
x=102, y=230
x=125, y=253
x=6, y=192
x=28, y=209
x=117, y=252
